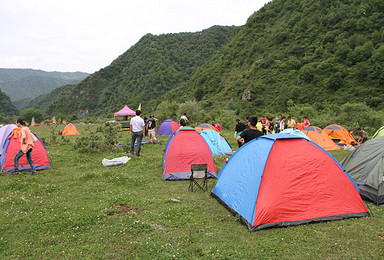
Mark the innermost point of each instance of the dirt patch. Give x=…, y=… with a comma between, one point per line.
x=123, y=208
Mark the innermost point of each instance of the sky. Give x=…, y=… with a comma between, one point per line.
x=87, y=35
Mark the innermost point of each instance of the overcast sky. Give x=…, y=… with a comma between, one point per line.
x=87, y=35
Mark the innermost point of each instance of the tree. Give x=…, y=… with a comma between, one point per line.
x=167, y=110
x=28, y=113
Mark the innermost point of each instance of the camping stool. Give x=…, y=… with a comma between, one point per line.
x=198, y=178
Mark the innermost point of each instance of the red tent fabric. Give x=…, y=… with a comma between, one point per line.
x=12, y=147
x=314, y=190
x=125, y=111
x=184, y=148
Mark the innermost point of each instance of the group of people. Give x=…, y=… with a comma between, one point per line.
x=279, y=124
x=141, y=128
x=253, y=128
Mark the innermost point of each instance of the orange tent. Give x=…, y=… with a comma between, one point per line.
x=319, y=137
x=70, y=129
x=337, y=132
x=203, y=127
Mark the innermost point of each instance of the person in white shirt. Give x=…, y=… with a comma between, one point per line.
x=185, y=118
x=137, y=128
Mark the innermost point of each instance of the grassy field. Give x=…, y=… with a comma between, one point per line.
x=80, y=209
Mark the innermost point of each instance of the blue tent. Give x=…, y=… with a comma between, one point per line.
x=218, y=145
x=295, y=132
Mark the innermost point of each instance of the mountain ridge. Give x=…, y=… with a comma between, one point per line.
x=145, y=72
x=24, y=84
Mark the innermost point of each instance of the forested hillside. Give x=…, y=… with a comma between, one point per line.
x=6, y=107
x=143, y=74
x=314, y=52
x=25, y=84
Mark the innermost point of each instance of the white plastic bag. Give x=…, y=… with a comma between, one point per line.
x=115, y=161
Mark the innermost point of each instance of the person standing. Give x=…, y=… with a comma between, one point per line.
x=300, y=125
x=270, y=126
x=151, y=129
x=251, y=133
x=306, y=122
x=26, y=141
x=239, y=128
x=137, y=129
x=185, y=118
x=362, y=136
x=277, y=123
x=146, y=122
x=282, y=124
x=291, y=123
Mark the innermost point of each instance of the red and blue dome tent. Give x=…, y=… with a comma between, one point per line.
x=12, y=147
x=282, y=180
x=184, y=148
x=168, y=127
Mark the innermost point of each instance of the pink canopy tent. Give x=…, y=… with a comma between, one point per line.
x=126, y=111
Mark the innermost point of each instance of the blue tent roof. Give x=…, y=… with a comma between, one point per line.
x=218, y=145
x=295, y=132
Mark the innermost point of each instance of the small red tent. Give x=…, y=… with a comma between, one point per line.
x=12, y=147
x=184, y=148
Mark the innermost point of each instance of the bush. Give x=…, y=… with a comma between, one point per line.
x=167, y=110
x=194, y=110
x=102, y=139
x=226, y=119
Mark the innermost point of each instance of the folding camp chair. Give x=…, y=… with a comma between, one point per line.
x=198, y=178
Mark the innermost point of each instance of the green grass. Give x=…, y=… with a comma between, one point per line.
x=80, y=209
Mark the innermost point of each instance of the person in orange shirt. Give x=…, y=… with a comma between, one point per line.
x=300, y=125
x=27, y=145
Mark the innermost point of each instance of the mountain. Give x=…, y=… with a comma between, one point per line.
x=25, y=84
x=7, y=108
x=143, y=74
x=297, y=52
x=317, y=53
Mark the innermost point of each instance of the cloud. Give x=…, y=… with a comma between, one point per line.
x=87, y=35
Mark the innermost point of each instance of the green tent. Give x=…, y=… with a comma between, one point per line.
x=366, y=167
x=379, y=132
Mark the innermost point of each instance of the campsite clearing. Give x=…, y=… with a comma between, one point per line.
x=78, y=208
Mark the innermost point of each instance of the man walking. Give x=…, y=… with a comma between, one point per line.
x=137, y=129
x=185, y=118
